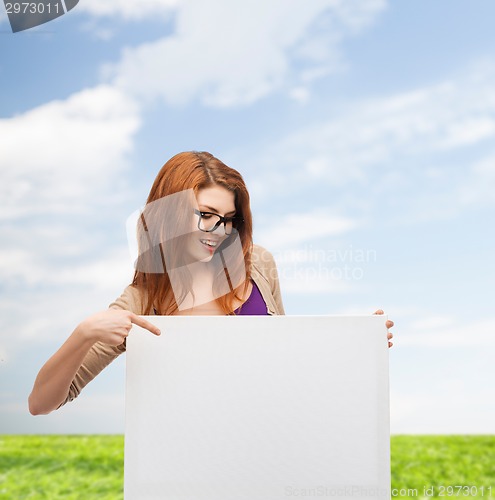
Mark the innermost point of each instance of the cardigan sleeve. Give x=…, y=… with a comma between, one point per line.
x=100, y=355
x=264, y=264
x=277, y=294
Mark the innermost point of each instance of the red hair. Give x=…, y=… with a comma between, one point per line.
x=191, y=170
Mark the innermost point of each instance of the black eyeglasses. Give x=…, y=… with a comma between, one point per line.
x=209, y=221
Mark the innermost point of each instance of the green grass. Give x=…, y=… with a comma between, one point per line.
x=61, y=467
x=425, y=461
x=91, y=467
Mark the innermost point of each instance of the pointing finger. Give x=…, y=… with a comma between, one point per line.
x=137, y=320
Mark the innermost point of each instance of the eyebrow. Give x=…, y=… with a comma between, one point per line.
x=214, y=210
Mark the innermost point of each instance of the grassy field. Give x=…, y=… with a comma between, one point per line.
x=91, y=467
x=443, y=462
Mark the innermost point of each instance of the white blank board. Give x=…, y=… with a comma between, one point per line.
x=258, y=408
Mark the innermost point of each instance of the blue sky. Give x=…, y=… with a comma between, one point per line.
x=364, y=130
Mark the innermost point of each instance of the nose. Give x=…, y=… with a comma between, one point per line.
x=221, y=230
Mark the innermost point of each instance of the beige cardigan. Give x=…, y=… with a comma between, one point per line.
x=263, y=272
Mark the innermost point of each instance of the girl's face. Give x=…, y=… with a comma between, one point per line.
x=218, y=200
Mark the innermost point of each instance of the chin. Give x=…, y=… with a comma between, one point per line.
x=201, y=256
x=208, y=258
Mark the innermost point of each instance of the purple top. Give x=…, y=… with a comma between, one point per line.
x=254, y=305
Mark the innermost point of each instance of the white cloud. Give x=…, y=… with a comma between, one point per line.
x=57, y=157
x=294, y=228
x=469, y=131
x=451, y=408
x=128, y=9
x=444, y=332
x=232, y=54
x=393, y=153
x=60, y=170
x=477, y=189
x=308, y=280
x=433, y=323
x=100, y=274
x=374, y=132
x=41, y=267
x=300, y=94
x=486, y=167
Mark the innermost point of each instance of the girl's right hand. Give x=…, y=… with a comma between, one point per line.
x=112, y=326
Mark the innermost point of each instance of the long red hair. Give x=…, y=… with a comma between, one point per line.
x=185, y=171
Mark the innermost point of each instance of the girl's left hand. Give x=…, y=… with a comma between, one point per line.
x=388, y=324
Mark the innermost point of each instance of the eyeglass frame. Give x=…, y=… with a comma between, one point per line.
x=221, y=220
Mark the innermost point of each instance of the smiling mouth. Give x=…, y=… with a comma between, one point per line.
x=209, y=243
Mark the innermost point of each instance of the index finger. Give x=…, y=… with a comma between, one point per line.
x=137, y=320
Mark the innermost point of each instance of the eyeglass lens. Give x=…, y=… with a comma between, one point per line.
x=210, y=222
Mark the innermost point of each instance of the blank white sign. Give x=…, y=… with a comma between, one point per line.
x=258, y=408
